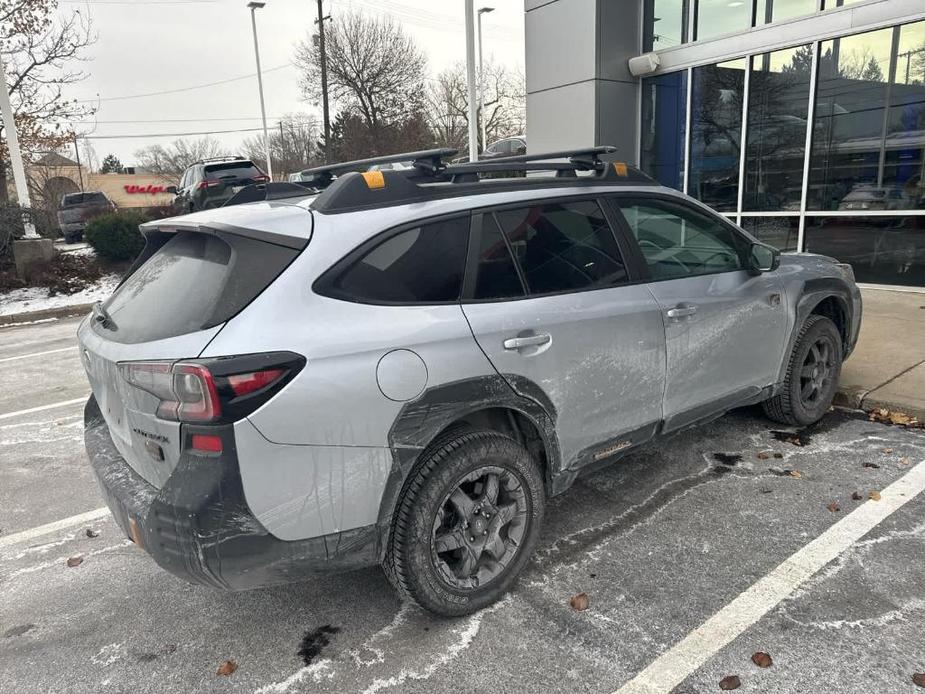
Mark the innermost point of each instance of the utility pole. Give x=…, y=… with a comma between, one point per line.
x=324, y=73
x=255, y=5
x=482, y=119
x=12, y=141
x=80, y=171
x=470, y=76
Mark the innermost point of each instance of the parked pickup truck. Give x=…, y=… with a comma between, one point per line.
x=76, y=209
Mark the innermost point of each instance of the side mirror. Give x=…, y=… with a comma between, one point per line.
x=763, y=258
x=171, y=189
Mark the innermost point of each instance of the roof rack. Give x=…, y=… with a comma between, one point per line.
x=428, y=161
x=208, y=160
x=343, y=188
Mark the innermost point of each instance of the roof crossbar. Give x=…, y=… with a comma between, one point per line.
x=427, y=161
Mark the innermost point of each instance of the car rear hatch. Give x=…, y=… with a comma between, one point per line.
x=227, y=178
x=195, y=274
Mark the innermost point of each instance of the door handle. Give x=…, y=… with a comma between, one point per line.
x=681, y=311
x=513, y=343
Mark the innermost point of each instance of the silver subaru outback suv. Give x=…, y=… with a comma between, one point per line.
x=399, y=367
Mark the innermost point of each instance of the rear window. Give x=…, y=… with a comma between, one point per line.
x=233, y=169
x=80, y=198
x=193, y=282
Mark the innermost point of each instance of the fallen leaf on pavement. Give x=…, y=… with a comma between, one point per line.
x=796, y=473
x=762, y=659
x=778, y=455
x=75, y=561
x=730, y=682
x=834, y=507
x=919, y=679
x=872, y=465
x=90, y=532
x=170, y=648
x=875, y=495
x=903, y=461
x=856, y=496
x=892, y=417
x=764, y=455
x=579, y=602
x=887, y=450
x=226, y=668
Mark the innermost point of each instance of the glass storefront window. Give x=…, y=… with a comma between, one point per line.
x=664, y=100
x=780, y=232
x=768, y=11
x=716, y=133
x=882, y=250
x=665, y=24
x=775, y=138
x=717, y=17
x=869, y=129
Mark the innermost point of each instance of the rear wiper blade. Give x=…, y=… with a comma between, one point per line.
x=101, y=315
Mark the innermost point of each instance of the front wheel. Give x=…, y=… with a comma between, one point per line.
x=812, y=375
x=467, y=522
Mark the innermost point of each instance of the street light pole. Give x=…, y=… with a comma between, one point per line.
x=326, y=114
x=254, y=6
x=482, y=10
x=12, y=141
x=470, y=76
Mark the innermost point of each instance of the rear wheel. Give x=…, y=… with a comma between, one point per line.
x=466, y=524
x=812, y=375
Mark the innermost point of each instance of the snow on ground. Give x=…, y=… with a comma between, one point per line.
x=37, y=299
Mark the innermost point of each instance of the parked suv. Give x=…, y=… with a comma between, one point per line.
x=403, y=368
x=76, y=209
x=212, y=182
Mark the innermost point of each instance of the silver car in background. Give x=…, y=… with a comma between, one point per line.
x=402, y=369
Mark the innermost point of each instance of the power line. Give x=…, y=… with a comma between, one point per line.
x=147, y=135
x=183, y=89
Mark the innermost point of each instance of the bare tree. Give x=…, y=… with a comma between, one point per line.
x=448, y=105
x=374, y=69
x=293, y=145
x=39, y=46
x=168, y=163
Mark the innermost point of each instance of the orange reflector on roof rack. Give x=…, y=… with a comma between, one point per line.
x=374, y=179
x=620, y=168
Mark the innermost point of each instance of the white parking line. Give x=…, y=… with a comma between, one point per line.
x=680, y=661
x=63, y=524
x=38, y=354
x=41, y=408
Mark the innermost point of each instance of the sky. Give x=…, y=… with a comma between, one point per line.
x=147, y=46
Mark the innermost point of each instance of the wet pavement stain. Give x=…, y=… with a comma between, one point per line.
x=315, y=641
x=727, y=458
x=18, y=630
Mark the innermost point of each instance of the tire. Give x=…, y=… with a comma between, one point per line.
x=467, y=574
x=806, y=394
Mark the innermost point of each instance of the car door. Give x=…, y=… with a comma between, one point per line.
x=551, y=302
x=724, y=327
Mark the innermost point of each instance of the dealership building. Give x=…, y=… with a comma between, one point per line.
x=803, y=120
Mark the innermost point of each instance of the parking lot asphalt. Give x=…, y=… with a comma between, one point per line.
x=661, y=542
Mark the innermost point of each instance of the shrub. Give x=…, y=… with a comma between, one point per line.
x=115, y=236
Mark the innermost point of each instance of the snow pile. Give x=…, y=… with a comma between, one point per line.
x=37, y=299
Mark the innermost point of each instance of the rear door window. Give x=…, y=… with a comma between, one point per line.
x=193, y=282
x=420, y=265
x=496, y=274
x=562, y=247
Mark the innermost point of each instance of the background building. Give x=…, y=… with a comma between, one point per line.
x=803, y=120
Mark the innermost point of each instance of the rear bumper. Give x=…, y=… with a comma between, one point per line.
x=70, y=227
x=198, y=525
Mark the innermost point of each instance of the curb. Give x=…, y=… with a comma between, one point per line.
x=858, y=399
x=45, y=314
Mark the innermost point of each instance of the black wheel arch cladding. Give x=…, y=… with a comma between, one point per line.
x=421, y=421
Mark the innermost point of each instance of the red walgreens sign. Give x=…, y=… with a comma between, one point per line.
x=149, y=189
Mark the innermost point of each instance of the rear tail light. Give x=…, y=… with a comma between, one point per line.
x=206, y=443
x=214, y=390
x=261, y=179
x=208, y=183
